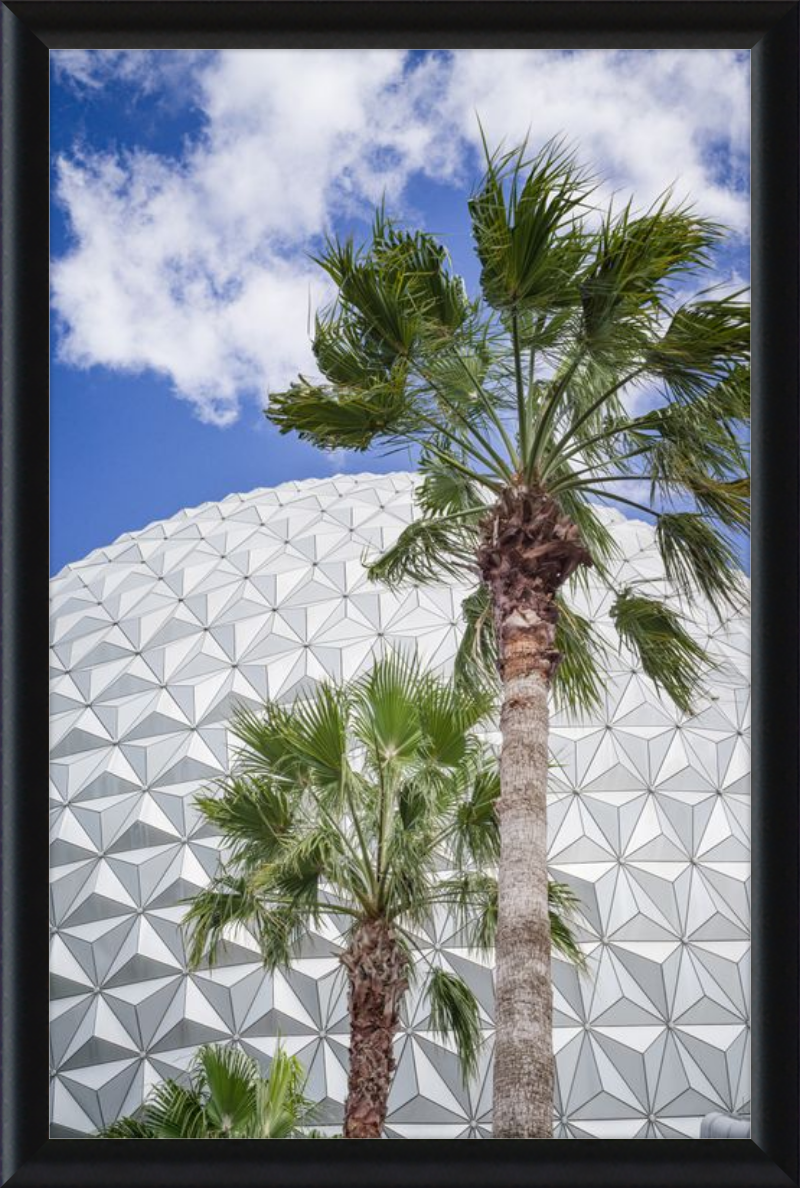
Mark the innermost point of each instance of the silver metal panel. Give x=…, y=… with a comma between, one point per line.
x=155, y=637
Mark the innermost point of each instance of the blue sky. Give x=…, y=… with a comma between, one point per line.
x=189, y=188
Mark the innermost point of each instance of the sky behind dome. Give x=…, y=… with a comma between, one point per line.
x=188, y=190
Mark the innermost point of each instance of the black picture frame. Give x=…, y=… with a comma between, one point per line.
x=771, y=30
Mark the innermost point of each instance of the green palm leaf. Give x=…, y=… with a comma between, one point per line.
x=227, y=902
x=455, y=1013
x=280, y=1105
x=319, y=735
x=476, y=837
x=443, y=490
x=426, y=550
x=230, y=1077
x=697, y=558
x=177, y=1111
x=728, y=502
x=579, y=679
x=523, y=223
x=251, y=813
x=353, y=419
x=702, y=344
x=564, y=907
x=636, y=259
x=225, y=1097
x=387, y=721
x=128, y=1128
x=475, y=664
x=672, y=659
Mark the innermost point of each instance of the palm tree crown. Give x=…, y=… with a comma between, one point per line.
x=519, y=402
x=374, y=803
x=226, y=1097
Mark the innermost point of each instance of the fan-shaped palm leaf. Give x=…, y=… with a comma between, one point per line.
x=226, y=1097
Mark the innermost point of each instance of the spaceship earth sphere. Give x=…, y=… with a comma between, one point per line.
x=155, y=638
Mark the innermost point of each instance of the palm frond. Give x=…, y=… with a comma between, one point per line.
x=471, y=897
x=394, y=296
x=420, y=268
x=476, y=831
x=386, y=714
x=669, y=656
x=455, y=1013
x=177, y=1111
x=704, y=341
x=307, y=860
x=266, y=752
x=475, y=664
x=636, y=259
x=232, y=901
x=345, y=359
x=410, y=872
x=448, y=714
x=579, y=680
x=728, y=502
x=698, y=559
x=427, y=550
x=594, y=531
x=229, y=1077
x=280, y=1106
x=729, y=400
x=381, y=298
x=127, y=1128
x=564, y=907
x=458, y=371
x=226, y=902
x=528, y=241
x=279, y=932
x=330, y=419
x=226, y=1097
x=688, y=448
x=444, y=490
x=318, y=734
x=251, y=813
x=482, y=929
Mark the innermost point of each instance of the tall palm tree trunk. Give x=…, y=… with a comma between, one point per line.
x=529, y=549
x=376, y=971
x=523, y=1059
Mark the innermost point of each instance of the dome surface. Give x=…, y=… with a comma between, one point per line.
x=156, y=637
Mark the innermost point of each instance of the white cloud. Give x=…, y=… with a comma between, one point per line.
x=196, y=265
x=647, y=119
x=147, y=70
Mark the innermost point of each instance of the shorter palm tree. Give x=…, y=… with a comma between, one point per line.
x=226, y=1097
x=373, y=803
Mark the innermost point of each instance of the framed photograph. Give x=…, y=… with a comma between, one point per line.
x=304, y=923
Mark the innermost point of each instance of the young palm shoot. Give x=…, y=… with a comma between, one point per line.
x=226, y=1097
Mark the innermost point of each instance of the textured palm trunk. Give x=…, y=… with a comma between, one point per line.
x=529, y=550
x=376, y=971
x=523, y=1057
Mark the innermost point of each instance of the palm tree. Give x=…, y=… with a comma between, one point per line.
x=583, y=373
x=346, y=805
x=226, y=1097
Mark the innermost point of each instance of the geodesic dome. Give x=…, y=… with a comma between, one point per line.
x=156, y=637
